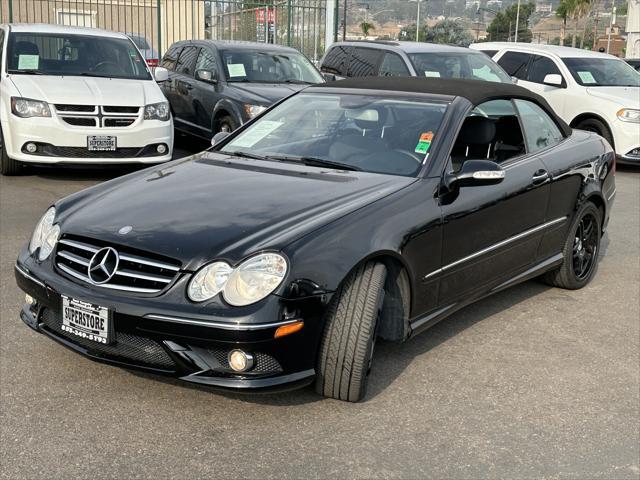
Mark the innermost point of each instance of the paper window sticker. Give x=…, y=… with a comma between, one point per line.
x=28, y=62
x=428, y=73
x=256, y=133
x=236, y=70
x=586, y=77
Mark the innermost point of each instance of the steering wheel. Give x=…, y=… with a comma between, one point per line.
x=413, y=156
x=108, y=63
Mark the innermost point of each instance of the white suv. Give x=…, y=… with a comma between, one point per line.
x=78, y=95
x=589, y=90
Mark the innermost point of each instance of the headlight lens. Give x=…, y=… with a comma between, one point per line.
x=629, y=115
x=254, y=279
x=25, y=108
x=209, y=281
x=45, y=235
x=157, y=111
x=254, y=110
x=250, y=282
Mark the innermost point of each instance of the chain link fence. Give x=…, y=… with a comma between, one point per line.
x=159, y=23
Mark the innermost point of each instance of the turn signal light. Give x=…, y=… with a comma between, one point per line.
x=285, y=330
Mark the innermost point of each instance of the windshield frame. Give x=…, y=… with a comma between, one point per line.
x=574, y=72
x=488, y=60
x=229, y=79
x=14, y=34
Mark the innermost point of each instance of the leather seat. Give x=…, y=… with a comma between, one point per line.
x=474, y=140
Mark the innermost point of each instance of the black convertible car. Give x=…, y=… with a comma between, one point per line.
x=351, y=211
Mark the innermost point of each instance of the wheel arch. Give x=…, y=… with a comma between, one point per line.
x=590, y=115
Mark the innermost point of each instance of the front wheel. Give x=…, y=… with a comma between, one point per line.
x=581, y=250
x=596, y=126
x=8, y=166
x=226, y=124
x=346, y=349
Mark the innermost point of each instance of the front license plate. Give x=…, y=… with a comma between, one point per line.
x=86, y=320
x=101, y=143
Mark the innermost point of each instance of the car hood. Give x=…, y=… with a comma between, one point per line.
x=88, y=90
x=264, y=93
x=627, y=97
x=213, y=206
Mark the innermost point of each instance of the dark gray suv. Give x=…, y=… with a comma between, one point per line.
x=409, y=59
x=216, y=86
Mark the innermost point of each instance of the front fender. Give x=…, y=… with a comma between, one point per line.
x=230, y=107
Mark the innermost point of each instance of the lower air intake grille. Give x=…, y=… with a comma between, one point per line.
x=128, y=348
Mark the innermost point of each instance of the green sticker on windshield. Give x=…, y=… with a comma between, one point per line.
x=424, y=143
x=28, y=62
x=236, y=70
x=586, y=77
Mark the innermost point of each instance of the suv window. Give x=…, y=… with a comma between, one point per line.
x=186, y=60
x=336, y=60
x=1, y=45
x=539, y=129
x=393, y=66
x=171, y=57
x=363, y=62
x=206, y=60
x=541, y=67
x=515, y=64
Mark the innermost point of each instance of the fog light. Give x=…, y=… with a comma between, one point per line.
x=31, y=147
x=162, y=148
x=240, y=361
x=29, y=299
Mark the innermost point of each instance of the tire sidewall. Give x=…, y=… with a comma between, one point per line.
x=587, y=209
x=597, y=126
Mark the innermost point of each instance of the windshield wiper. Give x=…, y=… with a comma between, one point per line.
x=313, y=162
x=301, y=82
x=238, y=153
x=27, y=71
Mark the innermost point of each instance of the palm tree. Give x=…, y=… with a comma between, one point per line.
x=564, y=11
x=366, y=27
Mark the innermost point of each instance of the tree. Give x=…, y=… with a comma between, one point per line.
x=448, y=31
x=366, y=27
x=503, y=25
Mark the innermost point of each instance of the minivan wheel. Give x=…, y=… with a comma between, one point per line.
x=581, y=250
x=596, y=126
x=346, y=348
x=8, y=166
x=227, y=124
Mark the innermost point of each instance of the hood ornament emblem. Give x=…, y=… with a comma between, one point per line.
x=126, y=229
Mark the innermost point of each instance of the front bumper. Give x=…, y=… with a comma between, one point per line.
x=59, y=142
x=178, y=347
x=627, y=140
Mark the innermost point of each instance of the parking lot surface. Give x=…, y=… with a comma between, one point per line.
x=532, y=382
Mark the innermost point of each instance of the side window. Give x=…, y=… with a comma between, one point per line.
x=336, y=61
x=206, y=60
x=539, y=129
x=515, y=64
x=171, y=57
x=1, y=46
x=541, y=67
x=363, y=62
x=393, y=66
x=186, y=60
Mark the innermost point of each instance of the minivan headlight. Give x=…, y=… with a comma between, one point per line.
x=45, y=235
x=157, y=111
x=26, y=107
x=629, y=115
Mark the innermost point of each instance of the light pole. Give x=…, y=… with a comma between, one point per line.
x=417, y=19
x=482, y=9
x=517, y=22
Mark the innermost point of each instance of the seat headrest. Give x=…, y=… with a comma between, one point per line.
x=26, y=48
x=476, y=131
x=508, y=129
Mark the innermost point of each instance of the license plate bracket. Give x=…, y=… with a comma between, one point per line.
x=86, y=320
x=102, y=143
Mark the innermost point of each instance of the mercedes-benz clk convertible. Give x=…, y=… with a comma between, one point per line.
x=351, y=211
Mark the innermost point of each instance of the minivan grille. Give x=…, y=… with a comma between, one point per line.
x=99, y=116
x=134, y=271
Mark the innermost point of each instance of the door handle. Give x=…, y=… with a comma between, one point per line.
x=540, y=177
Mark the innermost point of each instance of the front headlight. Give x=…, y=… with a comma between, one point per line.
x=25, y=108
x=253, y=110
x=45, y=235
x=157, y=111
x=251, y=281
x=629, y=115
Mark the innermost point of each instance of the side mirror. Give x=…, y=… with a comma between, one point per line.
x=475, y=173
x=161, y=74
x=514, y=80
x=218, y=137
x=208, y=76
x=329, y=77
x=553, y=80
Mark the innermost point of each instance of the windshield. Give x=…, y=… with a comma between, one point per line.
x=140, y=42
x=473, y=66
x=70, y=55
x=268, y=67
x=382, y=134
x=602, y=72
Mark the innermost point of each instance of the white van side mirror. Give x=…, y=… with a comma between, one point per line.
x=553, y=79
x=161, y=74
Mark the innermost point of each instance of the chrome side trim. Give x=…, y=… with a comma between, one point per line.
x=28, y=276
x=143, y=276
x=123, y=288
x=611, y=195
x=221, y=325
x=496, y=246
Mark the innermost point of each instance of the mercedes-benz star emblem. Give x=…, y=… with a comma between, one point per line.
x=103, y=265
x=126, y=229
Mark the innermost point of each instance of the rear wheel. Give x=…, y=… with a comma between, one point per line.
x=596, y=126
x=8, y=166
x=580, y=251
x=346, y=349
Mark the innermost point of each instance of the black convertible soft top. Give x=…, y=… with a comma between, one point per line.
x=476, y=91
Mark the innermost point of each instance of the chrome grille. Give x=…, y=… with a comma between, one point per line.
x=136, y=272
x=98, y=116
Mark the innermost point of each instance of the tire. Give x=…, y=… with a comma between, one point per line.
x=566, y=275
x=8, y=166
x=597, y=126
x=348, y=341
x=226, y=124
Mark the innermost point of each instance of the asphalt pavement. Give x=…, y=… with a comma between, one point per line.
x=534, y=382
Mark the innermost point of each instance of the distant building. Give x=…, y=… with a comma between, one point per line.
x=633, y=30
x=542, y=7
x=494, y=4
x=472, y=4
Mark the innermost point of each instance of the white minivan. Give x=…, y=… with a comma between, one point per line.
x=78, y=95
